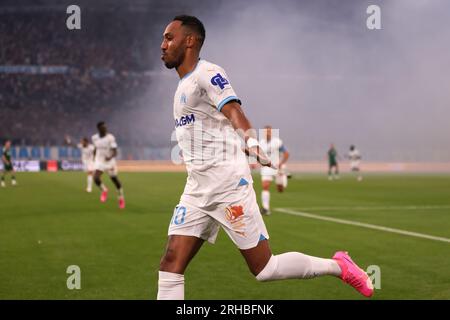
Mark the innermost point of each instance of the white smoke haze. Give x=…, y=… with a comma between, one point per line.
x=313, y=70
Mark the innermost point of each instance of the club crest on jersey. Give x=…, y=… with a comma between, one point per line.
x=220, y=81
x=184, y=120
x=183, y=99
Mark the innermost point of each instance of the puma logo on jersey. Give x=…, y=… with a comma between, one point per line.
x=184, y=120
x=220, y=81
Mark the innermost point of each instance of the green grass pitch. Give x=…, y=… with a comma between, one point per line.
x=48, y=222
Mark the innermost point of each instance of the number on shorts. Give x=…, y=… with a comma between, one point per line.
x=179, y=211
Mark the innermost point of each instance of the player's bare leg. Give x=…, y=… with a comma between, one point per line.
x=99, y=183
x=13, y=178
x=3, y=179
x=119, y=188
x=280, y=188
x=296, y=265
x=358, y=173
x=265, y=197
x=179, y=252
x=336, y=171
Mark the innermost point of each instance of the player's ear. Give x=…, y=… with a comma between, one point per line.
x=190, y=40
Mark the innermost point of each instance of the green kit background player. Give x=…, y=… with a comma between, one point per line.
x=7, y=164
x=332, y=163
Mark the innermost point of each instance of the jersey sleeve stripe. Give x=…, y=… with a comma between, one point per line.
x=226, y=100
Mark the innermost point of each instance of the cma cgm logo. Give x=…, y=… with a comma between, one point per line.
x=220, y=81
x=184, y=120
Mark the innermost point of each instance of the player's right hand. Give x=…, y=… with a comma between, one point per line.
x=260, y=156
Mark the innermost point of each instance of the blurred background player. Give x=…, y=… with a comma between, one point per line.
x=355, y=161
x=105, y=153
x=87, y=157
x=332, y=163
x=273, y=147
x=7, y=164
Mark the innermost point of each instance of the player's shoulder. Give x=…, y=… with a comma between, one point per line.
x=95, y=137
x=110, y=136
x=205, y=67
x=277, y=141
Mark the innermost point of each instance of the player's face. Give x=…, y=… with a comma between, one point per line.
x=102, y=129
x=8, y=144
x=268, y=134
x=173, y=46
x=84, y=143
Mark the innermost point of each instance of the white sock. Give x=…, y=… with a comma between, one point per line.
x=120, y=193
x=296, y=265
x=89, y=182
x=285, y=181
x=170, y=286
x=265, y=199
x=103, y=187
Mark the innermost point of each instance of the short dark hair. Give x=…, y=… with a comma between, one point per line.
x=194, y=24
x=99, y=124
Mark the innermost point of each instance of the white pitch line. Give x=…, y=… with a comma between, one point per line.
x=411, y=207
x=363, y=225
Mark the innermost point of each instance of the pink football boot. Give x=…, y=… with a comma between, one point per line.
x=104, y=196
x=122, y=203
x=353, y=275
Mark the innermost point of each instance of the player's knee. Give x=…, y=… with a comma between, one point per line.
x=280, y=188
x=116, y=182
x=97, y=180
x=170, y=262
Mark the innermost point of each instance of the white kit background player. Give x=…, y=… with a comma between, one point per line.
x=105, y=161
x=274, y=148
x=355, y=161
x=219, y=190
x=87, y=158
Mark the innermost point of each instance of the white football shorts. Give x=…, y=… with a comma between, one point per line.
x=110, y=167
x=354, y=165
x=88, y=166
x=240, y=218
x=268, y=174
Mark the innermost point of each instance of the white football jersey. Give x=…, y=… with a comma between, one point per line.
x=104, y=146
x=354, y=155
x=87, y=153
x=273, y=149
x=211, y=148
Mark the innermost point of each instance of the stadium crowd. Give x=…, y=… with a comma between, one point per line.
x=101, y=71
